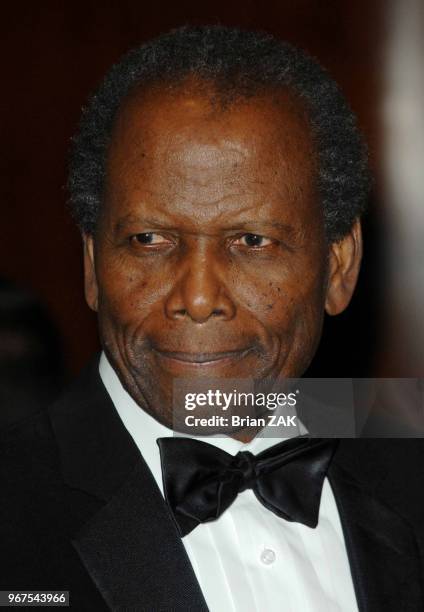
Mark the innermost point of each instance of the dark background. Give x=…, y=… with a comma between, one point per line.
x=52, y=56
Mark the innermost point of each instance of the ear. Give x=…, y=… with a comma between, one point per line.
x=344, y=263
x=90, y=280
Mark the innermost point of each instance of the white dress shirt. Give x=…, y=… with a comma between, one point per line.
x=249, y=559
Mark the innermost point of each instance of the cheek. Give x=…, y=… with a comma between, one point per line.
x=307, y=320
x=124, y=296
x=280, y=301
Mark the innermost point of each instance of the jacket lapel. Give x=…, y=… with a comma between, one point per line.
x=381, y=547
x=133, y=553
x=130, y=546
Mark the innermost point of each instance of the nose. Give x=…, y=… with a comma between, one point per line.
x=199, y=291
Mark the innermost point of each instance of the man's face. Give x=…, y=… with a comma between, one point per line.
x=210, y=257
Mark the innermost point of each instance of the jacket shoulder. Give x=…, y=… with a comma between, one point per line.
x=25, y=448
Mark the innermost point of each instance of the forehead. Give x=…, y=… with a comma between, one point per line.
x=183, y=145
x=269, y=120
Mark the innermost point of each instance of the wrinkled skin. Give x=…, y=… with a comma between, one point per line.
x=210, y=257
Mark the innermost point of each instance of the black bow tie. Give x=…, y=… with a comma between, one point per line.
x=201, y=481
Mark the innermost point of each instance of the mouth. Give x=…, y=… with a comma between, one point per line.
x=201, y=360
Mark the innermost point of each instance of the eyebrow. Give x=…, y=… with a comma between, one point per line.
x=274, y=224
x=250, y=223
x=129, y=219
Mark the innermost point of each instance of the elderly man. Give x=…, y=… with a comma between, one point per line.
x=218, y=179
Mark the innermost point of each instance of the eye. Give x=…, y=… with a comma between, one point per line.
x=148, y=238
x=253, y=240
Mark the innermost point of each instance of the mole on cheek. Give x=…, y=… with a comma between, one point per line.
x=142, y=285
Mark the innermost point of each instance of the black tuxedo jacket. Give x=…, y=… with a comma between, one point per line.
x=80, y=511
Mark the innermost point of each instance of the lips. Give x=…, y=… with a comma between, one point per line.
x=180, y=362
x=201, y=358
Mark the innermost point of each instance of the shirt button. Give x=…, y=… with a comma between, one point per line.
x=267, y=556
